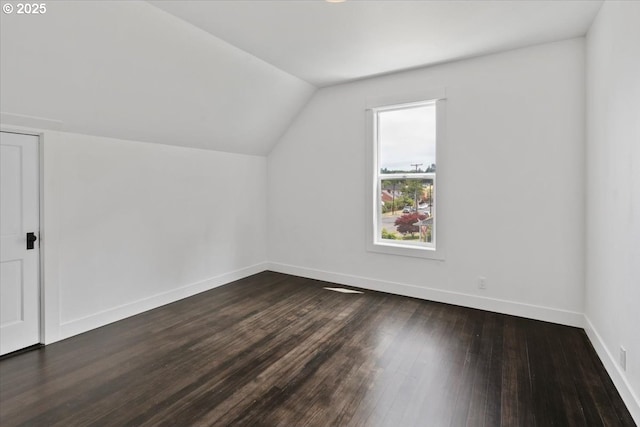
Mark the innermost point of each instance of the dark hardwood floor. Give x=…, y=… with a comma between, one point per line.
x=278, y=350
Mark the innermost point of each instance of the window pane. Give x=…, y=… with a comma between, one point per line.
x=407, y=139
x=407, y=211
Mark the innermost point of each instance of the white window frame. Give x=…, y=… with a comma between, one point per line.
x=374, y=242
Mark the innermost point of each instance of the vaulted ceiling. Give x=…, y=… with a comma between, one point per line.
x=328, y=43
x=129, y=70
x=232, y=75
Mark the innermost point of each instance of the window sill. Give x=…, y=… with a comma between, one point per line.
x=406, y=250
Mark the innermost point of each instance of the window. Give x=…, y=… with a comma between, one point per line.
x=404, y=141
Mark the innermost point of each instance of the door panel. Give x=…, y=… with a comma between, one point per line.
x=19, y=267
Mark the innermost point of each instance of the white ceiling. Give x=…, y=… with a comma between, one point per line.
x=129, y=70
x=232, y=75
x=328, y=43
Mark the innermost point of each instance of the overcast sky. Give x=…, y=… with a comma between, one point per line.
x=406, y=137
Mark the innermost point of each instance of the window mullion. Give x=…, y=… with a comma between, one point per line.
x=427, y=175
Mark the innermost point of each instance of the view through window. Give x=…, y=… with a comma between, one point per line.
x=405, y=137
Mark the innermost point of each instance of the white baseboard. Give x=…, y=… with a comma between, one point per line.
x=618, y=377
x=78, y=326
x=514, y=308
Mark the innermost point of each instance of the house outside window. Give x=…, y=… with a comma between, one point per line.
x=403, y=154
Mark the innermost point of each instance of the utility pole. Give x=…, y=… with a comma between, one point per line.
x=415, y=190
x=393, y=198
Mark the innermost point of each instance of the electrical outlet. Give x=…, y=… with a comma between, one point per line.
x=623, y=358
x=482, y=282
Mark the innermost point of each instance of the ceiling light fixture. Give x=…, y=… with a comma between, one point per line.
x=335, y=1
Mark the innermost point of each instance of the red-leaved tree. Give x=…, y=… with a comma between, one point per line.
x=406, y=223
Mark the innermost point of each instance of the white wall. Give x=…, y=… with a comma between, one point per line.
x=129, y=226
x=510, y=180
x=613, y=193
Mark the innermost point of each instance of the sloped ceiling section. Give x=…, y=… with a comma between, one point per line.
x=129, y=70
x=328, y=43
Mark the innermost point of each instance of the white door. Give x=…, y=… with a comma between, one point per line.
x=19, y=265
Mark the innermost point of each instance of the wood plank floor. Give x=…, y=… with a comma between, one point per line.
x=278, y=350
